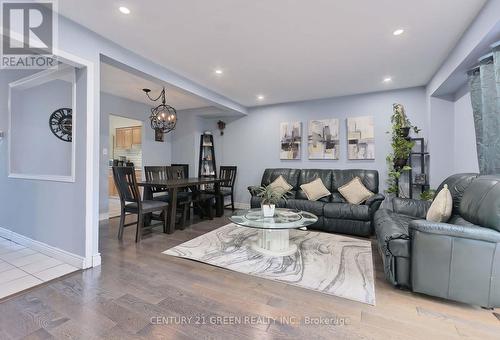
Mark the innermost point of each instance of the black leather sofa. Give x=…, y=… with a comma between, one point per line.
x=458, y=260
x=334, y=213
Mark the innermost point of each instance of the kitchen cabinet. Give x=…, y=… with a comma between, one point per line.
x=111, y=185
x=136, y=135
x=128, y=136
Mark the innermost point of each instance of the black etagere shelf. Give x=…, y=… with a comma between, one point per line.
x=207, y=166
x=420, y=157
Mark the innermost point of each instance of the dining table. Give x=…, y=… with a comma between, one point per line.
x=173, y=186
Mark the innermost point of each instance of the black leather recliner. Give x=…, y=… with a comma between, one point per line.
x=334, y=213
x=458, y=260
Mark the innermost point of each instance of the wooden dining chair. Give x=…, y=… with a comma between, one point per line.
x=228, y=177
x=153, y=173
x=185, y=167
x=131, y=202
x=184, y=197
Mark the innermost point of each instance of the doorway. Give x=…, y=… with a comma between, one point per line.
x=125, y=149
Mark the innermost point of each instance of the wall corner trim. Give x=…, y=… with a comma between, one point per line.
x=59, y=254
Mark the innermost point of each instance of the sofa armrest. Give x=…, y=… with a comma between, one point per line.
x=253, y=190
x=374, y=202
x=410, y=207
x=452, y=230
x=456, y=262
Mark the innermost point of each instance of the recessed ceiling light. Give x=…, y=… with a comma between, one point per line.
x=219, y=71
x=399, y=31
x=124, y=10
x=260, y=97
x=387, y=79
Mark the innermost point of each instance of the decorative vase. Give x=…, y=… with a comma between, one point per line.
x=268, y=210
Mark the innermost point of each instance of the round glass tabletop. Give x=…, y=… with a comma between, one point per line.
x=282, y=219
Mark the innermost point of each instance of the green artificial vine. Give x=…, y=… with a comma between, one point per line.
x=401, y=145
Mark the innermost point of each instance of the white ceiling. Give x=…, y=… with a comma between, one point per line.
x=288, y=50
x=127, y=85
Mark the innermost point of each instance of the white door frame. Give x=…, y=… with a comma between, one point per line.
x=92, y=257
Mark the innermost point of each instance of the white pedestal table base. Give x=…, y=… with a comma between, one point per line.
x=274, y=242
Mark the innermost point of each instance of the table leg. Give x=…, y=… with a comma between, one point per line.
x=219, y=201
x=172, y=210
x=147, y=195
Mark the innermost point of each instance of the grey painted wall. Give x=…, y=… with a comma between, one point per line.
x=252, y=142
x=35, y=150
x=465, y=154
x=442, y=139
x=153, y=153
x=46, y=211
x=186, y=139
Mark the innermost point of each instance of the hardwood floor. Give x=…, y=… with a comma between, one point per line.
x=139, y=293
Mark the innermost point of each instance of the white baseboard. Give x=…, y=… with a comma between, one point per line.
x=93, y=261
x=239, y=205
x=96, y=260
x=59, y=254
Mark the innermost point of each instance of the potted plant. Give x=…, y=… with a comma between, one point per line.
x=401, y=122
x=402, y=146
x=270, y=197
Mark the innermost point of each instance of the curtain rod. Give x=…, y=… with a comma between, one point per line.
x=485, y=57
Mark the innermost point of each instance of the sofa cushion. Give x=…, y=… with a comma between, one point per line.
x=349, y=227
x=480, y=203
x=337, y=197
x=368, y=177
x=280, y=185
x=440, y=209
x=457, y=184
x=309, y=175
x=347, y=211
x=315, y=190
x=290, y=175
x=355, y=192
x=459, y=220
x=314, y=207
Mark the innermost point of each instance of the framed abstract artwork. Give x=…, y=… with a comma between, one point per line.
x=323, y=139
x=290, y=140
x=360, y=138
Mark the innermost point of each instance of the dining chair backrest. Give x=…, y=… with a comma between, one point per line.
x=228, y=175
x=126, y=183
x=185, y=167
x=154, y=173
x=175, y=172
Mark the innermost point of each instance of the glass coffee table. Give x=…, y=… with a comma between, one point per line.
x=274, y=238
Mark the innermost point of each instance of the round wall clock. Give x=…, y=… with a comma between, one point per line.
x=61, y=123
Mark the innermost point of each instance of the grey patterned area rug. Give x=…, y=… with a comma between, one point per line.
x=327, y=263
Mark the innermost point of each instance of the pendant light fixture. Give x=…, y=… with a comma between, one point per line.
x=163, y=117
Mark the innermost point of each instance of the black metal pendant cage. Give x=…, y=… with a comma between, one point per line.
x=163, y=118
